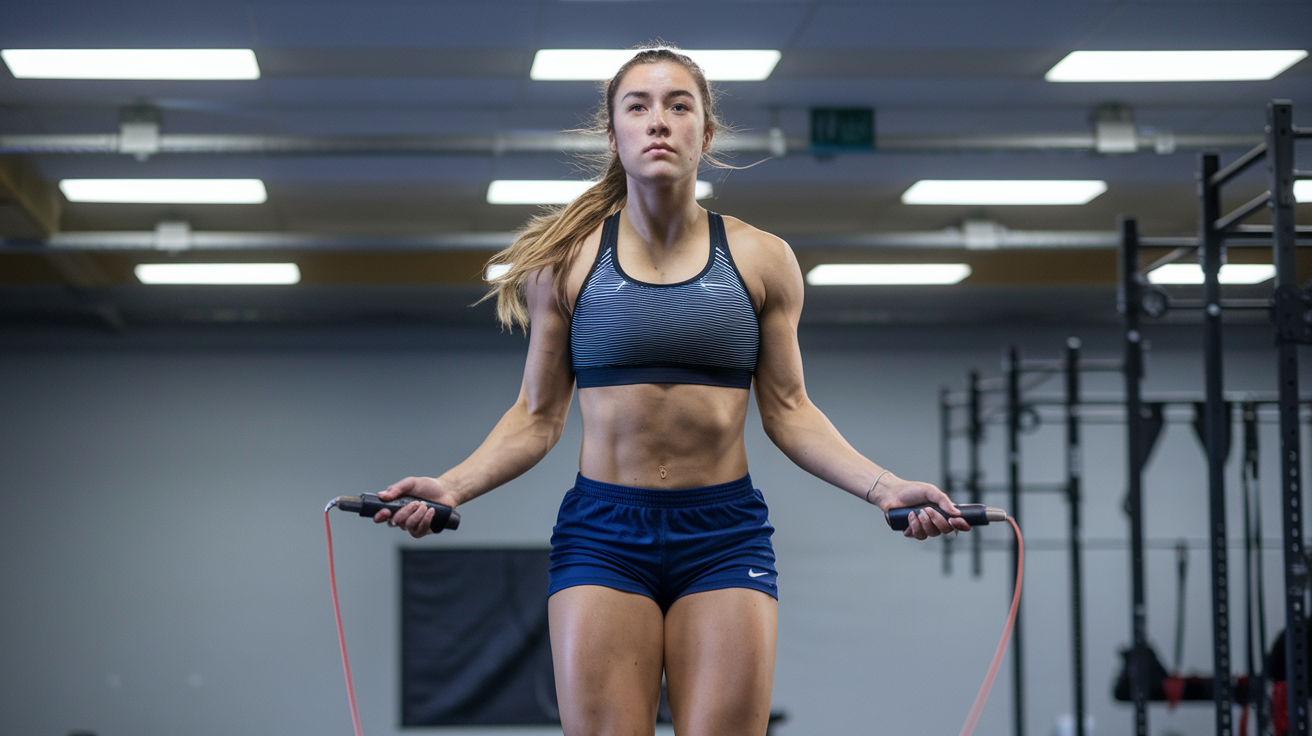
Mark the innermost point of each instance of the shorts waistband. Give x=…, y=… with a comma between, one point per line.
x=656, y=498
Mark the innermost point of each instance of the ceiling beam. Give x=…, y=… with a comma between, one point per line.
x=29, y=206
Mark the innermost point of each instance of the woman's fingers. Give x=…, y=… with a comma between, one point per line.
x=418, y=520
x=940, y=522
x=409, y=516
x=423, y=522
x=402, y=516
x=399, y=488
x=917, y=525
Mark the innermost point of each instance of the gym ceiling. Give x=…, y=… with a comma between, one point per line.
x=359, y=107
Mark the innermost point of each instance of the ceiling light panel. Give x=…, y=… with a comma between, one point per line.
x=535, y=191
x=1003, y=192
x=745, y=65
x=1231, y=273
x=131, y=63
x=886, y=274
x=165, y=191
x=553, y=191
x=1303, y=191
x=218, y=273
x=1173, y=66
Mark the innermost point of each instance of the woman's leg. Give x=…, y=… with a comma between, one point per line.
x=719, y=661
x=608, y=648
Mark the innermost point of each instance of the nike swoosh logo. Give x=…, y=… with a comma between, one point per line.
x=754, y=574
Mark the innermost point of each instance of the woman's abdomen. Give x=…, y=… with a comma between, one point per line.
x=663, y=435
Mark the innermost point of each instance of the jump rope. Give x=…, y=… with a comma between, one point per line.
x=975, y=514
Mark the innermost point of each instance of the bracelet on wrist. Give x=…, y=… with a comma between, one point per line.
x=872, y=485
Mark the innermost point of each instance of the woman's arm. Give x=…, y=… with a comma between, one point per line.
x=796, y=425
x=525, y=433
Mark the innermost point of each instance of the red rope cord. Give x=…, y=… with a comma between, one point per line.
x=987, y=685
x=341, y=633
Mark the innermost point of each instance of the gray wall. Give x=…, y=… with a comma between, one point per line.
x=164, y=565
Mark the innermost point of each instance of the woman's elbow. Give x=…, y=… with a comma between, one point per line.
x=547, y=419
x=775, y=424
x=778, y=417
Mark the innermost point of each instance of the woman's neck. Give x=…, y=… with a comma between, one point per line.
x=662, y=217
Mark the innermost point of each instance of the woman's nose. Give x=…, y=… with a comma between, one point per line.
x=656, y=123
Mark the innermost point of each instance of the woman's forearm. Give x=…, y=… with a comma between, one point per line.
x=518, y=442
x=812, y=442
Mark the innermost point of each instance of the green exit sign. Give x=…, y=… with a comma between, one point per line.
x=842, y=129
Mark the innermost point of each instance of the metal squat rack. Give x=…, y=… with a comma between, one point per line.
x=1291, y=313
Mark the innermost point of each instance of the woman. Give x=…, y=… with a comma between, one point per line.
x=661, y=558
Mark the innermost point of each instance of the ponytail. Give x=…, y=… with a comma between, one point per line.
x=552, y=241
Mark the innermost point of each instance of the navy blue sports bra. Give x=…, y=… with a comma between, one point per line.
x=703, y=330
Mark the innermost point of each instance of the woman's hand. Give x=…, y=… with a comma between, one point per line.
x=416, y=518
x=894, y=493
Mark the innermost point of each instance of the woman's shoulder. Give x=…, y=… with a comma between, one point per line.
x=765, y=261
x=757, y=249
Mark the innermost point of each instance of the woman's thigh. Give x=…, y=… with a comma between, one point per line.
x=608, y=647
x=719, y=661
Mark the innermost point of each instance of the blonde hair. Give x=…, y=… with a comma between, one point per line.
x=551, y=240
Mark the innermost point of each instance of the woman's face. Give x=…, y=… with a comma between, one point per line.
x=658, y=126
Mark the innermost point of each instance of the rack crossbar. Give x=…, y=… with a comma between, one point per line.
x=1239, y=165
x=1225, y=303
x=1249, y=207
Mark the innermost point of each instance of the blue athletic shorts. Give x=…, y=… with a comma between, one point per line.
x=663, y=544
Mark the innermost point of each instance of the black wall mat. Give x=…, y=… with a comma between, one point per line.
x=474, y=643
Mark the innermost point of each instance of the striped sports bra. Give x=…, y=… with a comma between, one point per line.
x=703, y=330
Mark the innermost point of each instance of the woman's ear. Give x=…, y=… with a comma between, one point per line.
x=610, y=138
x=706, y=139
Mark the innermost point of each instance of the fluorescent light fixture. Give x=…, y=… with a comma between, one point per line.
x=886, y=274
x=131, y=63
x=747, y=65
x=218, y=273
x=736, y=66
x=165, y=191
x=1302, y=190
x=553, y=191
x=496, y=270
x=1231, y=273
x=1002, y=192
x=1173, y=66
x=535, y=191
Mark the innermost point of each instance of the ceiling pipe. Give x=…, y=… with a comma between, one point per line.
x=970, y=236
x=774, y=143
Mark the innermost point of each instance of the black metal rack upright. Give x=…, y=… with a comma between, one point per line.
x=1074, y=472
x=1216, y=422
x=1013, y=488
x=1290, y=312
x=1136, y=458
